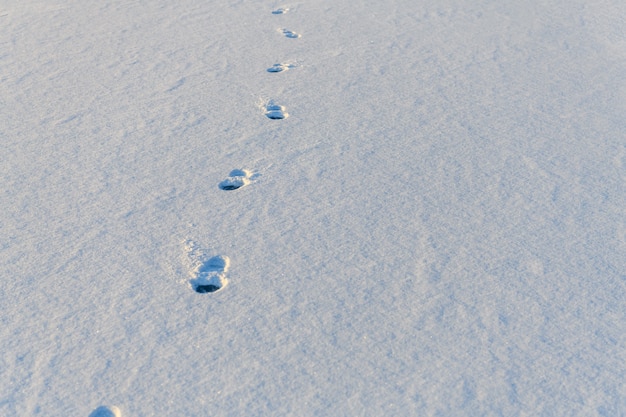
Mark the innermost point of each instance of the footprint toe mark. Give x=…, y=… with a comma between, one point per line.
x=230, y=187
x=203, y=289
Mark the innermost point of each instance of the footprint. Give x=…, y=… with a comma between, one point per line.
x=280, y=67
x=275, y=112
x=210, y=275
x=104, y=411
x=238, y=178
x=281, y=10
x=289, y=33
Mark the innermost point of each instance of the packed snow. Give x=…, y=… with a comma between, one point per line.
x=357, y=208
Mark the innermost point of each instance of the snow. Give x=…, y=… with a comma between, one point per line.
x=438, y=227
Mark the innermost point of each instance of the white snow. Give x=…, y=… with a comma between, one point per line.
x=437, y=229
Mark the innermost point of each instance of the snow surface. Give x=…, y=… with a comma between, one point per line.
x=437, y=229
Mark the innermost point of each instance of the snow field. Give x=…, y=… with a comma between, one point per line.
x=437, y=227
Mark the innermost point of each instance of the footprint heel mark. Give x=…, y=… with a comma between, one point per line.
x=104, y=411
x=238, y=178
x=210, y=275
x=275, y=112
x=281, y=10
x=290, y=34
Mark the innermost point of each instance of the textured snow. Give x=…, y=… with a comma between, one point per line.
x=438, y=227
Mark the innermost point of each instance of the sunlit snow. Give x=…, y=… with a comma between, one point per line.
x=321, y=207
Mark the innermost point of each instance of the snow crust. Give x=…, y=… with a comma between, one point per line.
x=438, y=227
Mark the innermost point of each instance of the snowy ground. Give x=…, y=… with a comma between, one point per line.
x=436, y=226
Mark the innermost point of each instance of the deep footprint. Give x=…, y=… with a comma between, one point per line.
x=276, y=112
x=210, y=276
x=238, y=178
x=203, y=289
x=290, y=34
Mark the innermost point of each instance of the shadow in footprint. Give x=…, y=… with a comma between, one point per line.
x=290, y=34
x=104, y=411
x=281, y=10
x=238, y=178
x=210, y=275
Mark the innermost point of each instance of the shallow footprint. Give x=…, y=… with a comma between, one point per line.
x=280, y=67
x=104, y=411
x=281, y=10
x=238, y=178
x=276, y=112
x=290, y=34
x=210, y=275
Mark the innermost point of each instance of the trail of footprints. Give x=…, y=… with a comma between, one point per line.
x=274, y=110
x=209, y=273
